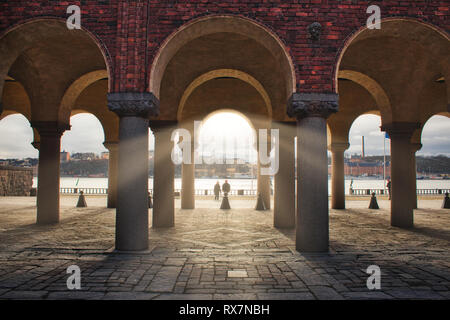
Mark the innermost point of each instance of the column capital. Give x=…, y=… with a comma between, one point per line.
x=416, y=147
x=133, y=104
x=303, y=105
x=338, y=146
x=50, y=128
x=111, y=145
x=36, y=144
x=405, y=129
x=160, y=125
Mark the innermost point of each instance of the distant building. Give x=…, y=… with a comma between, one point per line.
x=366, y=169
x=64, y=156
x=358, y=166
x=104, y=155
x=84, y=156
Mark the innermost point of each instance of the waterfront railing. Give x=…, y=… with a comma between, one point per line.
x=251, y=192
x=420, y=192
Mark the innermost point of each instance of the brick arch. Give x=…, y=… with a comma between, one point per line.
x=387, y=56
x=417, y=135
x=374, y=88
x=363, y=32
x=7, y=113
x=18, y=40
x=72, y=93
x=231, y=73
x=221, y=23
x=107, y=132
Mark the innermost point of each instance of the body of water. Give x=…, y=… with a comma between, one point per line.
x=246, y=184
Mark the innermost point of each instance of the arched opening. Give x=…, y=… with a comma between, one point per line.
x=380, y=61
x=217, y=48
x=228, y=137
x=367, y=164
x=17, y=137
x=433, y=158
x=35, y=53
x=17, y=151
x=224, y=150
x=84, y=158
x=215, y=63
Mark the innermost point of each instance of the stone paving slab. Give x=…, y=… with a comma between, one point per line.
x=193, y=260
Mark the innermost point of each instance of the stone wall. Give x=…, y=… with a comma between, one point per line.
x=15, y=181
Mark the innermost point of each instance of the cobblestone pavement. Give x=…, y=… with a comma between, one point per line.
x=214, y=254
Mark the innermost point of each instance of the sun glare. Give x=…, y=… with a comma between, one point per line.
x=228, y=134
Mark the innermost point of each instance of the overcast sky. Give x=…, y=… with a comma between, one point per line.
x=87, y=135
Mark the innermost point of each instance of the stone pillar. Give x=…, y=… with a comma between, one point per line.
x=284, y=196
x=338, y=175
x=401, y=170
x=263, y=181
x=311, y=111
x=263, y=187
x=188, y=177
x=132, y=184
x=164, y=175
x=113, y=148
x=414, y=148
x=48, y=170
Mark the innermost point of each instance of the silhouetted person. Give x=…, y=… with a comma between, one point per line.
x=389, y=184
x=226, y=188
x=216, y=191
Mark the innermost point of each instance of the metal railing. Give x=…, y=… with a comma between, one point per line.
x=177, y=192
x=85, y=190
x=247, y=192
x=368, y=192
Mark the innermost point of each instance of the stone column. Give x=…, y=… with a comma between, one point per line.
x=113, y=148
x=263, y=187
x=414, y=148
x=163, y=175
x=263, y=181
x=311, y=111
x=284, y=196
x=188, y=176
x=401, y=170
x=132, y=184
x=48, y=170
x=338, y=175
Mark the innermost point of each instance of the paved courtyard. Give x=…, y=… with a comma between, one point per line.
x=215, y=254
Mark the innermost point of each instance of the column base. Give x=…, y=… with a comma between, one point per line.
x=43, y=222
x=402, y=224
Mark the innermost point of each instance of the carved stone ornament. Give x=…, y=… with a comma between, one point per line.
x=302, y=105
x=50, y=128
x=131, y=104
x=315, y=30
x=405, y=129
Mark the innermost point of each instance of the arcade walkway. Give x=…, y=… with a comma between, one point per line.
x=193, y=260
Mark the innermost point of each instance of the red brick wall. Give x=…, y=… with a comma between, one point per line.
x=124, y=27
